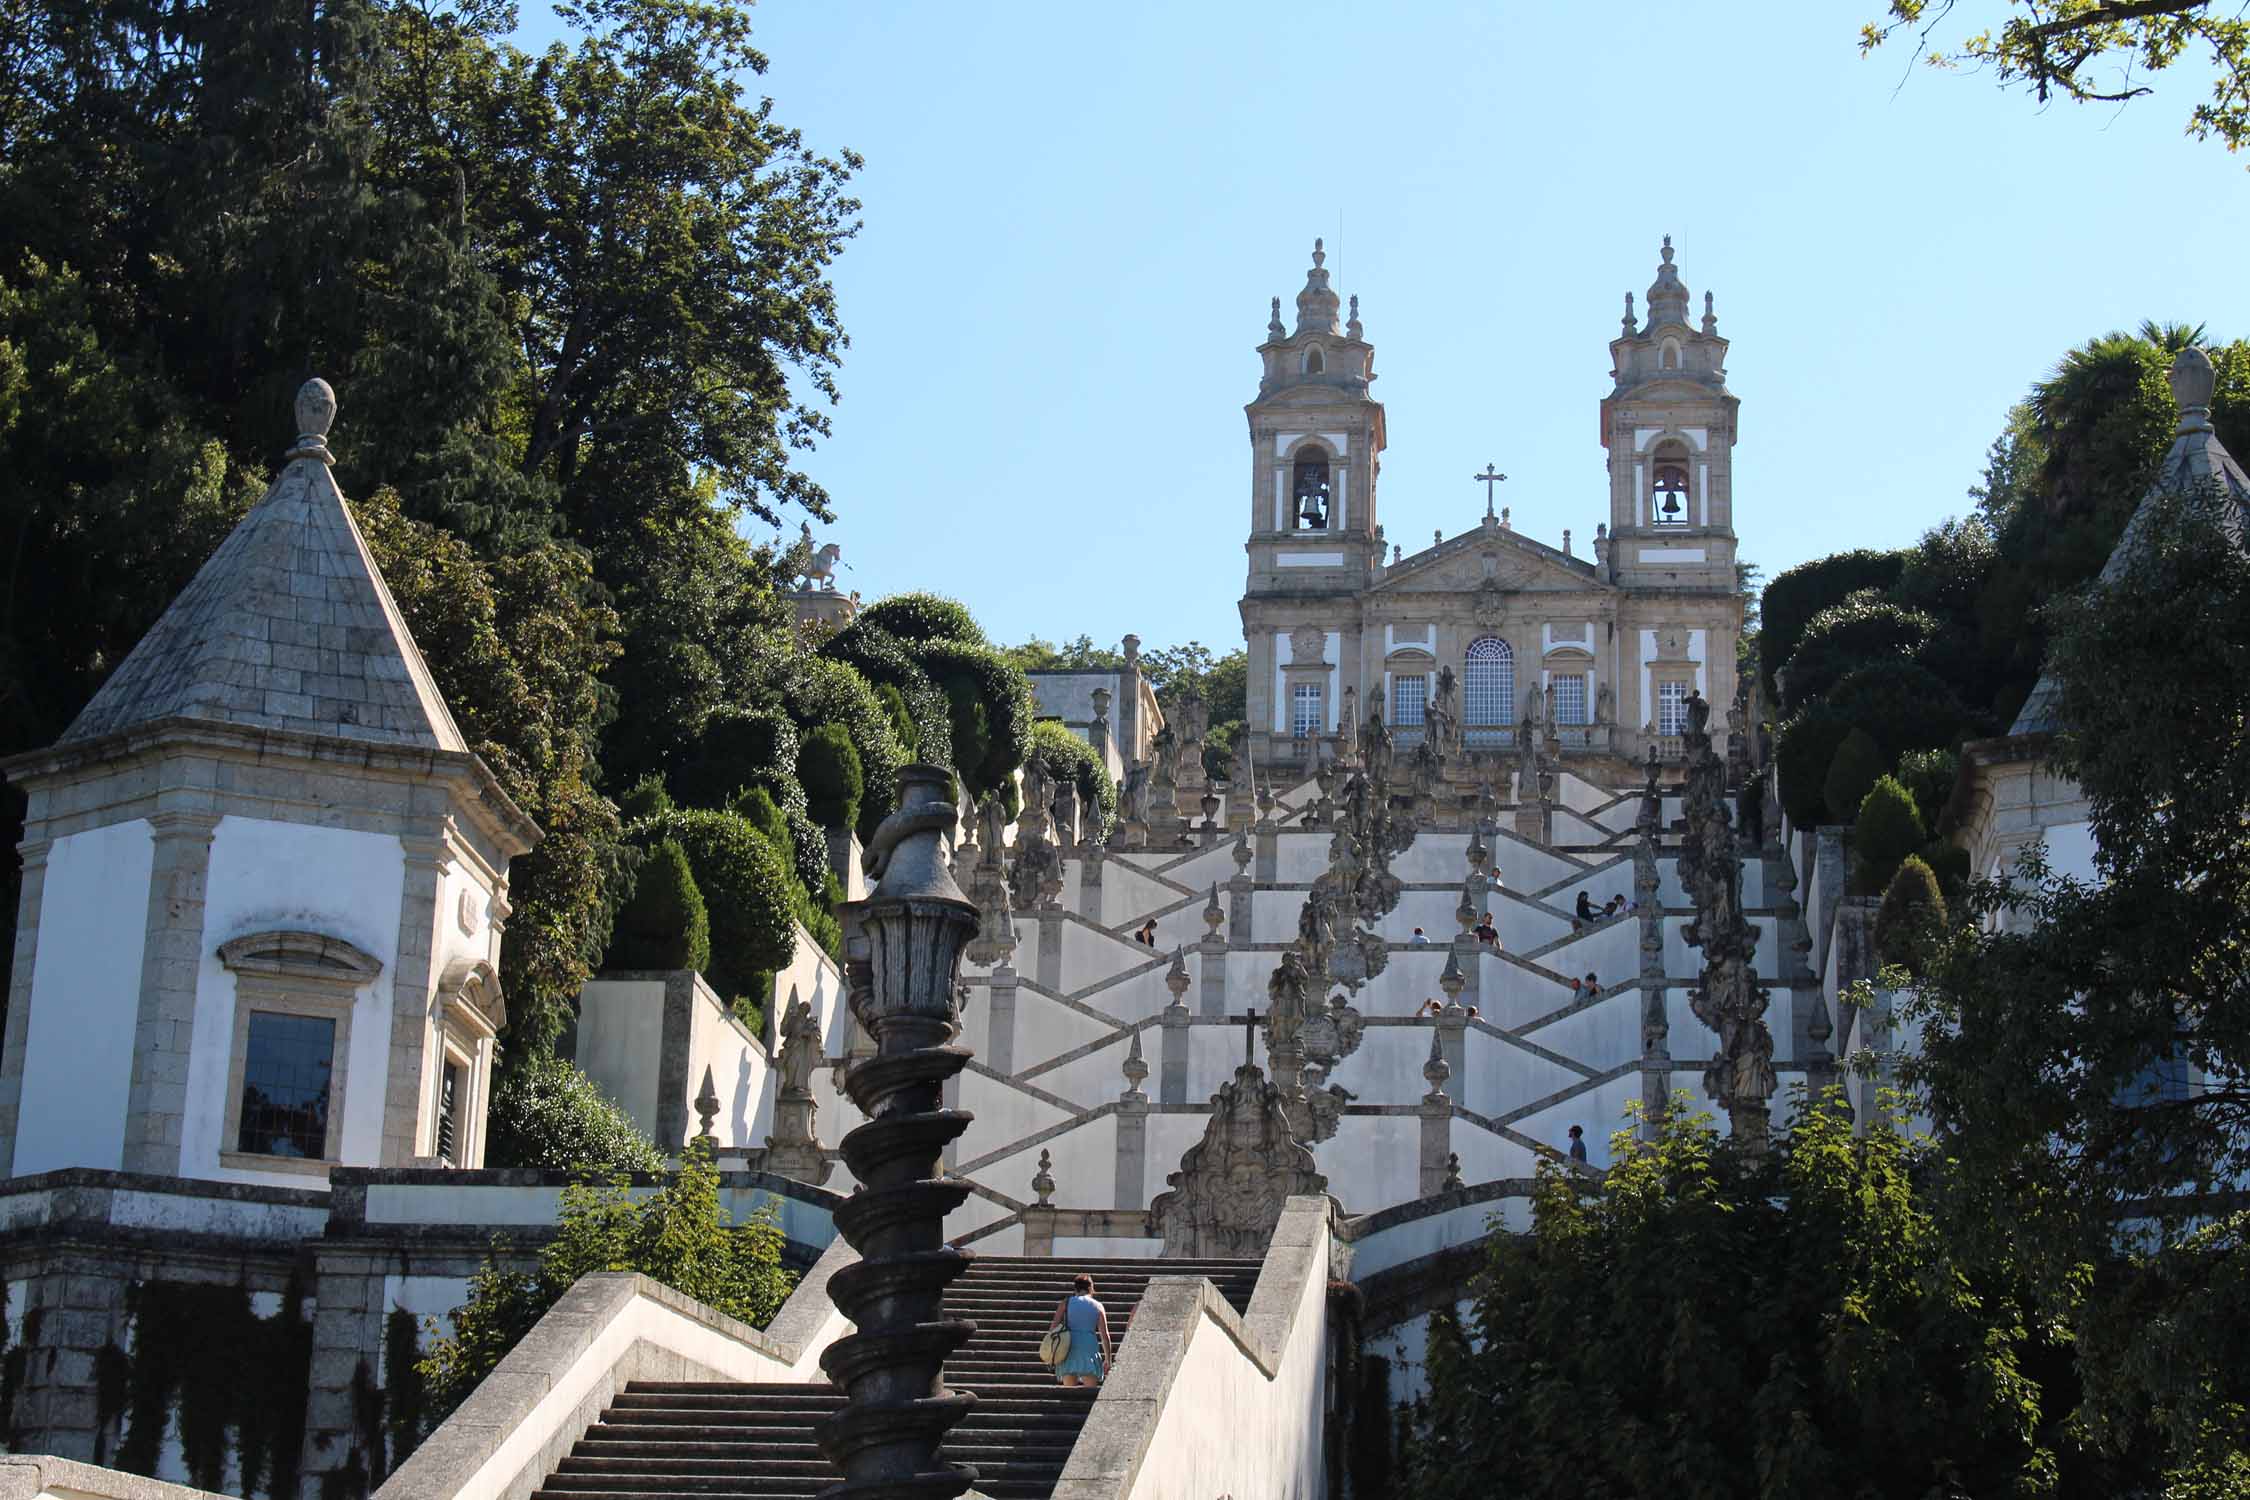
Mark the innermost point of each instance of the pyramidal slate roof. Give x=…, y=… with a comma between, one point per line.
x=2197, y=458
x=289, y=626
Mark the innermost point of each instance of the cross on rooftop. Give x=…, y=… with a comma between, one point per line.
x=1490, y=477
x=1249, y=1020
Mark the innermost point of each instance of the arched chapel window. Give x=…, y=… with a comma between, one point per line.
x=1488, y=692
x=1668, y=469
x=1309, y=498
x=1313, y=362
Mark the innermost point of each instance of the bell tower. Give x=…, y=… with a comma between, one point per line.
x=1669, y=425
x=1316, y=444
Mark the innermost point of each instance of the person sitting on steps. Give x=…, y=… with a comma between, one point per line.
x=1147, y=935
x=1586, y=912
x=1088, y=1322
x=1487, y=934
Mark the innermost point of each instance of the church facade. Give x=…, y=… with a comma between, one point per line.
x=1484, y=639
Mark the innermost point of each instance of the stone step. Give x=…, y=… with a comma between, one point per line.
x=695, y=1473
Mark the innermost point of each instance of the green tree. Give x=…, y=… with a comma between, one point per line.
x=2066, y=1040
x=1886, y=830
x=1912, y=916
x=2087, y=51
x=1697, y=1324
x=664, y=925
x=1797, y=594
x=546, y=1113
x=680, y=1235
x=751, y=894
x=1928, y=775
x=1842, y=638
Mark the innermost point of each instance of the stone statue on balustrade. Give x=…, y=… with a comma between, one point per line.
x=1441, y=716
x=1230, y=1189
x=793, y=1146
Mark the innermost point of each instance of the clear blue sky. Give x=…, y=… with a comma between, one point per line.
x=1075, y=215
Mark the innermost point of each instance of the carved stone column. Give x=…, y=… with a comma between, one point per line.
x=1039, y=1216
x=1090, y=881
x=1241, y=891
x=1453, y=1042
x=1172, y=1083
x=1132, y=1130
x=1000, y=1021
x=904, y=952
x=1050, y=949
x=1437, y=1119
x=1212, y=965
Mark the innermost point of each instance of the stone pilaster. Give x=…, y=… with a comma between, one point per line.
x=1132, y=1149
x=1211, y=976
x=1268, y=842
x=28, y=906
x=171, y=958
x=1000, y=1020
x=427, y=860
x=1172, y=1057
x=74, y=1306
x=1436, y=1111
x=1050, y=950
x=1453, y=1045
x=1090, y=882
x=1240, y=890
x=348, y=1315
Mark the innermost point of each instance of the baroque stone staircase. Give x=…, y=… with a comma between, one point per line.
x=673, y=1441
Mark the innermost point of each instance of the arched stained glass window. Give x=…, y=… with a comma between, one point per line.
x=1488, y=692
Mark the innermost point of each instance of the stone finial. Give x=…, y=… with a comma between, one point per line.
x=1667, y=252
x=706, y=1098
x=1452, y=981
x=1632, y=324
x=1710, y=318
x=1353, y=326
x=1319, y=255
x=1214, y=915
x=1274, y=328
x=315, y=412
x=1243, y=854
x=1043, y=1180
x=2193, y=380
x=1566, y=541
x=1435, y=1069
x=1176, y=977
x=1135, y=1069
x=1437, y=537
x=1453, y=1182
x=1398, y=554
x=1131, y=646
x=1505, y=524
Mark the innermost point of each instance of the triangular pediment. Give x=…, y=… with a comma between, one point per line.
x=1483, y=559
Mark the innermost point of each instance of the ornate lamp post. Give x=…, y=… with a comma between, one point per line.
x=904, y=966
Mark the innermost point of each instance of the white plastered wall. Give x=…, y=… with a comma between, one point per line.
x=266, y=877
x=85, y=997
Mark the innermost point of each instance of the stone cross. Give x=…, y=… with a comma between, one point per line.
x=1489, y=478
x=1249, y=1020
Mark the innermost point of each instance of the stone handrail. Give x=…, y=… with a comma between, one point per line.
x=609, y=1328
x=1202, y=1401
x=41, y=1476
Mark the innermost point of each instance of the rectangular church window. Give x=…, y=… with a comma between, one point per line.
x=1305, y=716
x=1570, y=698
x=448, y=1113
x=1409, y=696
x=286, y=1075
x=1671, y=707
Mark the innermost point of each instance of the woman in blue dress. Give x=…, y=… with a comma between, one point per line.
x=1088, y=1323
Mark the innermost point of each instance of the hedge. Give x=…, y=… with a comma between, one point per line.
x=665, y=925
x=1929, y=775
x=1887, y=831
x=1797, y=594
x=740, y=748
x=546, y=1113
x=885, y=660
x=1844, y=637
x=1858, y=765
x=1062, y=754
x=830, y=692
x=828, y=768
x=923, y=617
x=1904, y=706
x=1804, y=748
x=989, y=703
x=748, y=891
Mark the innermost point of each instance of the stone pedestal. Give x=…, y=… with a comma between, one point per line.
x=1000, y=1020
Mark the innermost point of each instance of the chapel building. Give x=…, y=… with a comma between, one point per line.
x=1479, y=635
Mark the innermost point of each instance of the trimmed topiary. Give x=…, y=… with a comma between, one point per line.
x=829, y=770
x=1804, y=748
x=644, y=799
x=809, y=850
x=1887, y=831
x=546, y=1113
x=1951, y=863
x=1063, y=754
x=1929, y=775
x=748, y=892
x=1903, y=705
x=923, y=617
x=740, y=748
x=989, y=709
x=1859, y=761
x=1795, y=595
x=885, y=660
x=665, y=925
x=1912, y=915
x=824, y=692
x=1863, y=630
